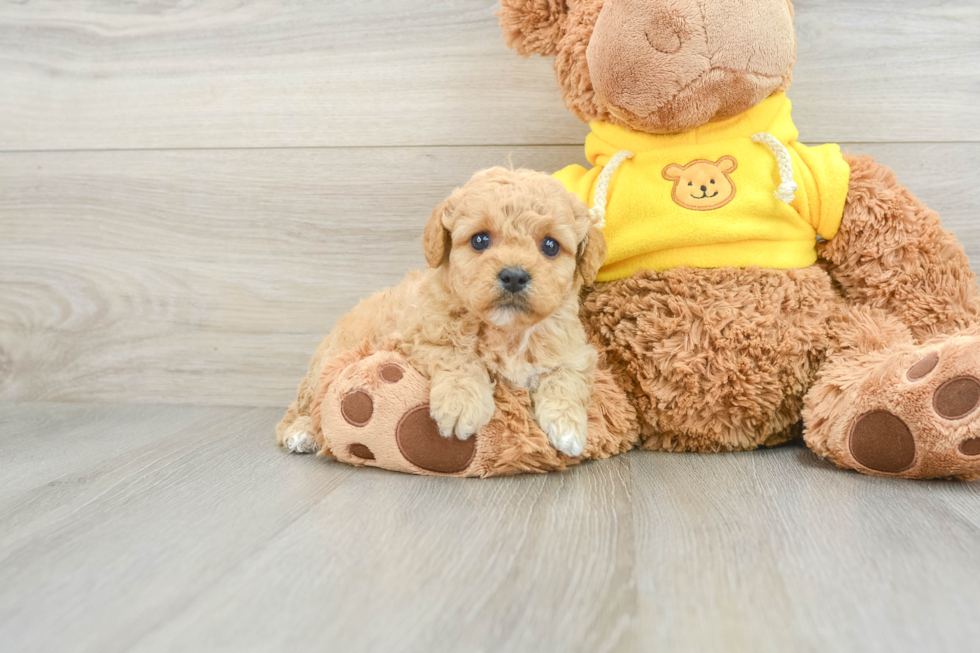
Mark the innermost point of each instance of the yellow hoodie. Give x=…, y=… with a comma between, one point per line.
x=736, y=193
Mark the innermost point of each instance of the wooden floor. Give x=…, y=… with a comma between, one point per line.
x=192, y=192
x=163, y=528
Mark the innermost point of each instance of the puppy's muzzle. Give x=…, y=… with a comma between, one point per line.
x=514, y=280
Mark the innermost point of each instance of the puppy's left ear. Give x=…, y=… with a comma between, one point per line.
x=591, y=254
x=436, y=239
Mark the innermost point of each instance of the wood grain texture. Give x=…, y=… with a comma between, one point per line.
x=114, y=547
x=780, y=551
x=43, y=443
x=209, y=277
x=207, y=537
x=216, y=73
x=146, y=550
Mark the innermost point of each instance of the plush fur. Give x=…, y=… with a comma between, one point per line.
x=892, y=252
x=459, y=326
x=718, y=360
x=879, y=382
x=910, y=294
x=877, y=347
x=713, y=360
x=511, y=443
x=658, y=66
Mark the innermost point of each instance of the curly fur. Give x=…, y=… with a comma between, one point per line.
x=515, y=444
x=512, y=443
x=892, y=253
x=713, y=360
x=456, y=325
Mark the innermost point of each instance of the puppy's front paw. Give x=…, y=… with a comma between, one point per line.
x=567, y=430
x=298, y=436
x=461, y=409
x=300, y=442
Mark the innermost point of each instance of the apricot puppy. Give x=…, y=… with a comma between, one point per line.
x=507, y=255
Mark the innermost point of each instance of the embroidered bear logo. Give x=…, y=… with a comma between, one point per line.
x=703, y=185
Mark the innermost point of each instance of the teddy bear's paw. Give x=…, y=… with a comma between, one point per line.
x=917, y=415
x=376, y=414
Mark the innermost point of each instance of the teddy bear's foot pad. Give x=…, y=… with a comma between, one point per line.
x=882, y=442
x=971, y=447
x=919, y=420
x=376, y=414
x=372, y=410
x=418, y=438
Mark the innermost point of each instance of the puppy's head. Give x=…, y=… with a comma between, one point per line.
x=514, y=245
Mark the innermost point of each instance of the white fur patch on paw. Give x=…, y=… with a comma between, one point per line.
x=567, y=427
x=301, y=442
x=570, y=445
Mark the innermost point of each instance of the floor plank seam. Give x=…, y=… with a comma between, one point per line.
x=412, y=146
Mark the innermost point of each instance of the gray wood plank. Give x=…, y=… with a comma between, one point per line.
x=209, y=277
x=780, y=551
x=391, y=562
x=113, y=550
x=41, y=443
x=214, y=539
x=85, y=75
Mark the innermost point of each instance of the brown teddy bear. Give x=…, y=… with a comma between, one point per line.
x=752, y=280
x=369, y=408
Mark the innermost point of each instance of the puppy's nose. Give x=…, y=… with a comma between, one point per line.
x=514, y=279
x=704, y=189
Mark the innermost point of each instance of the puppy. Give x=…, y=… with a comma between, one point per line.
x=507, y=255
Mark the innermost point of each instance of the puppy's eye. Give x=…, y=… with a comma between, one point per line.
x=480, y=241
x=712, y=181
x=550, y=247
x=690, y=183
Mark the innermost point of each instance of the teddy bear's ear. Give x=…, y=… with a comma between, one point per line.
x=673, y=172
x=532, y=26
x=436, y=239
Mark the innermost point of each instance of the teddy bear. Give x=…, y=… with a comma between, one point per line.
x=755, y=289
x=370, y=408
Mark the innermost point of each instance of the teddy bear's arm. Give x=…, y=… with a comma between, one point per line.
x=891, y=252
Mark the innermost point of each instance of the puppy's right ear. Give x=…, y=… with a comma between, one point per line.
x=532, y=26
x=591, y=255
x=436, y=239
